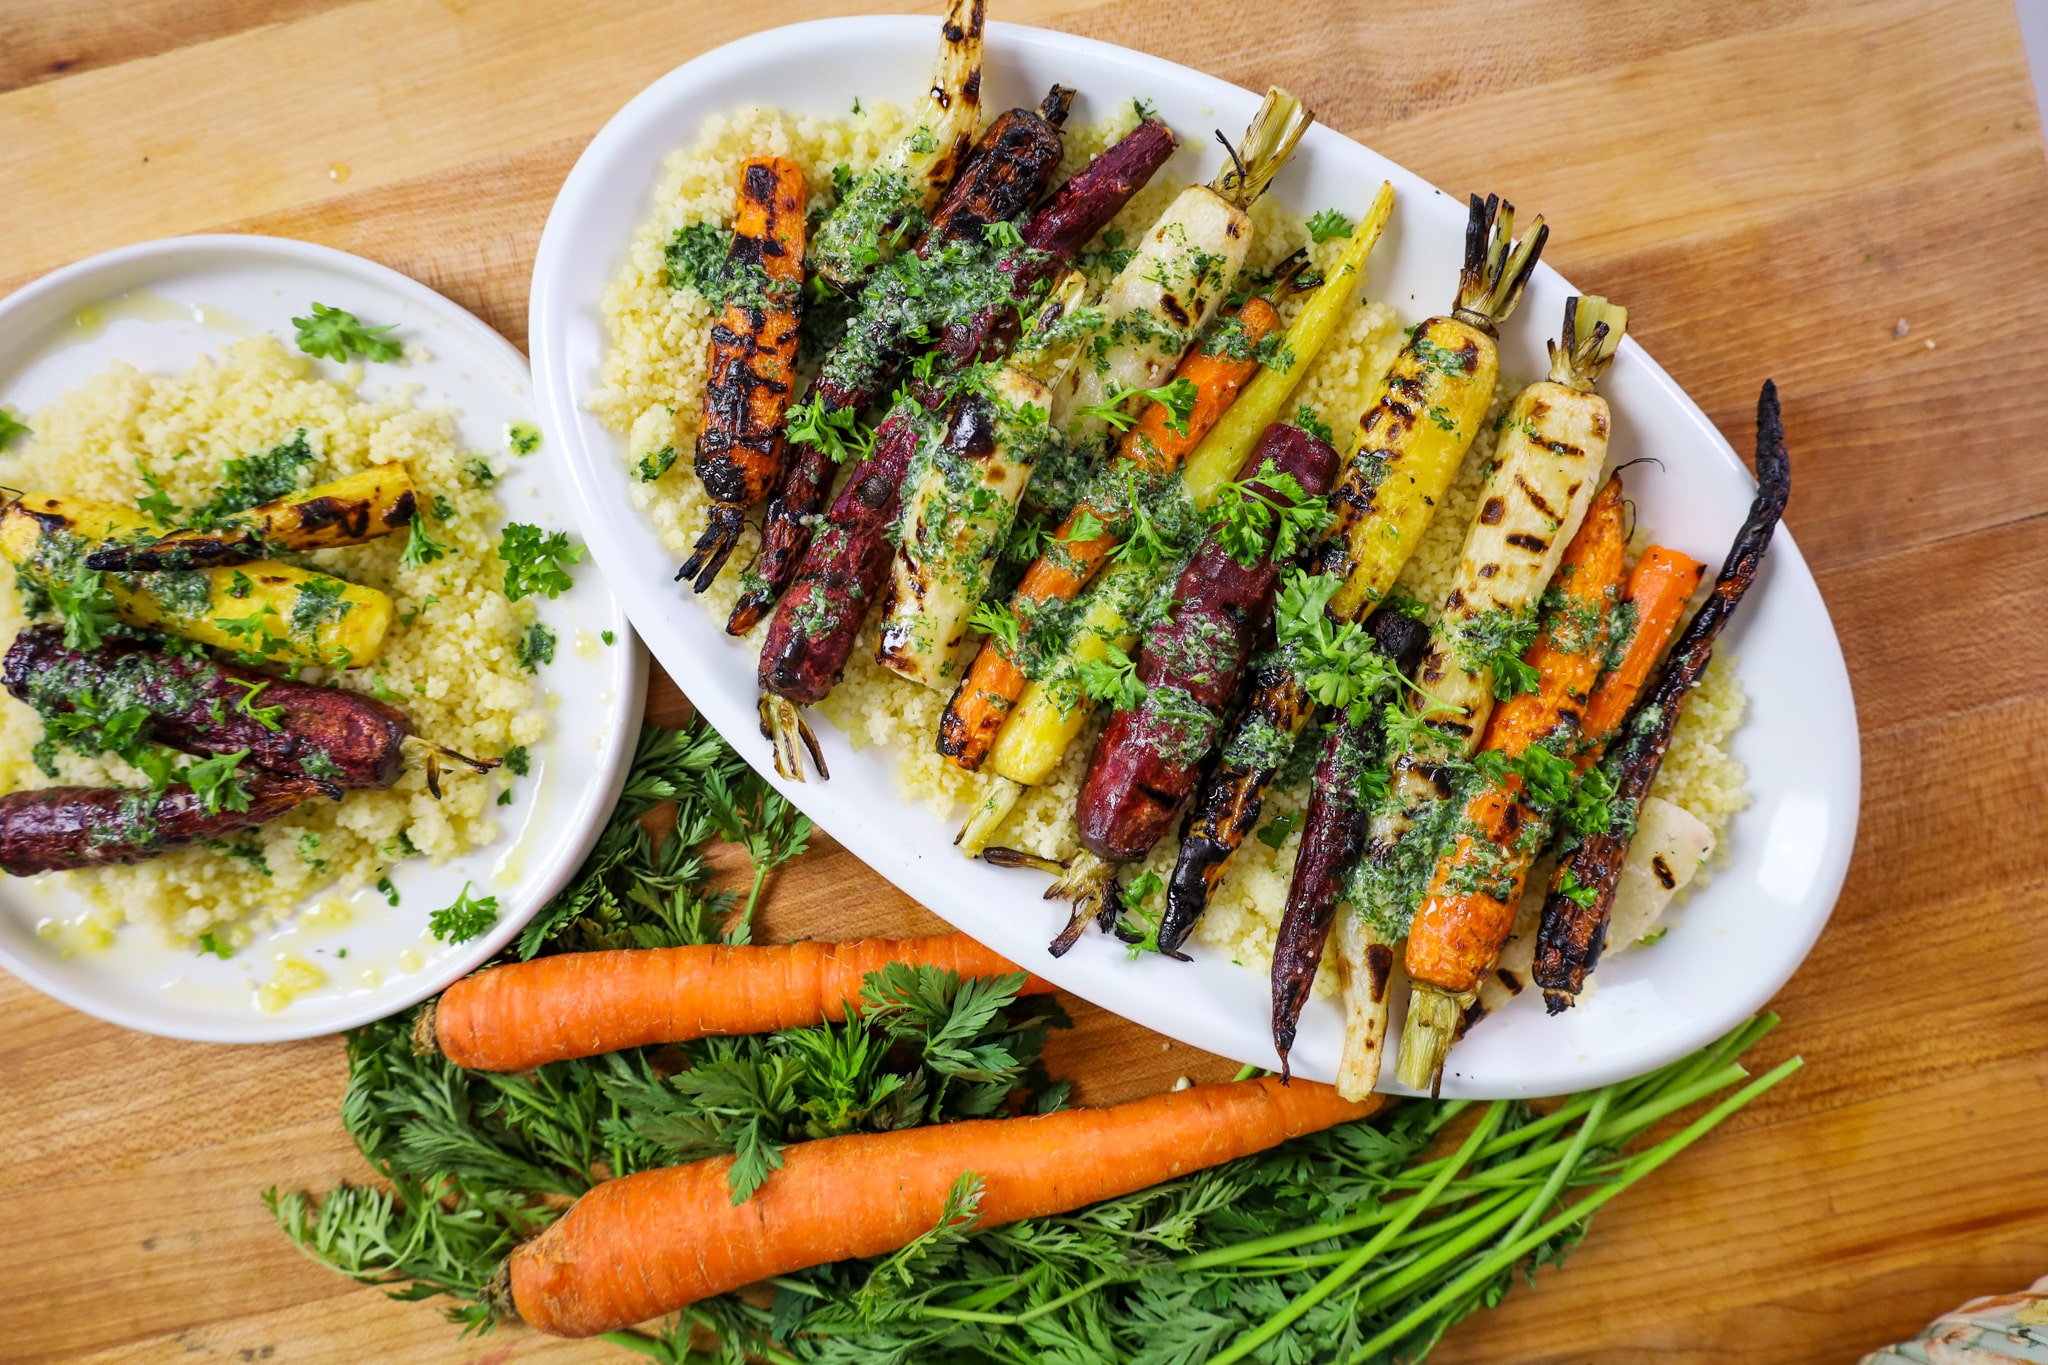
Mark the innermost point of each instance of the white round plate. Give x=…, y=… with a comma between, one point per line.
x=161, y=305
x=1733, y=944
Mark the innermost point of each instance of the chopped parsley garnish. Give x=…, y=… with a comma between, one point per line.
x=608, y=637
x=336, y=334
x=157, y=504
x=1305, y=417
x=421, y=549
x=320, y=767
x=536, y=561
x=654, y=464
x=696, y=256
x=1003, y=234
x=1178, y=398
x=997, y=621
x=522, y=438
x=309, y=851
x=254, y=479
x=535, y=648
x=1275, y=831
x=1340, y=665
x=444, y=510
x=1269, y=513
x=389, y=892
x=464, y=920
x=518, y=760
x=210, y=942
x=215, y=783
x=269, y=717
x=11, y=427
x=85, y=604
x=1494, y=641
x=1328, y=224
x=254, y=631
x=1113, y=679
x=1573, y=890
x=836, y=432
x=320, y=602
x=1654, y=936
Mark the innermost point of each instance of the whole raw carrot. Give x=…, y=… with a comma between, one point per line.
x=1152, y=447
x=1662, y=582
x=639, y=1247
x=522, y=1014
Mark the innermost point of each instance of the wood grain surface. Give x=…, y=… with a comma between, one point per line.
x=1772, y=185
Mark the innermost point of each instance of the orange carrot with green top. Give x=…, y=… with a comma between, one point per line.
x=1153, y=448
x=1662, y=583
x=523, y=1014
x=645, y=1245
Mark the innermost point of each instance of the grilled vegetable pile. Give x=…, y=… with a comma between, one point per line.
x=129, y=667
x=1084, y=515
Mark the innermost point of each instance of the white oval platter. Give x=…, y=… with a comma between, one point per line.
x=159, y=306
x=1734, y=944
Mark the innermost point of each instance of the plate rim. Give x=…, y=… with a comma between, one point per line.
x=555, y=388
x=590, y=808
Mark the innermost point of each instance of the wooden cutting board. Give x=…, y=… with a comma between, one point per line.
x=1851, y=198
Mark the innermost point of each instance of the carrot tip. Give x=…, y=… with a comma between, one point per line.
x=497, y=1295
x=425, y=1042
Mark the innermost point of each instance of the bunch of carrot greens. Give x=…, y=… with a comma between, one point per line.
x=1358, y=1244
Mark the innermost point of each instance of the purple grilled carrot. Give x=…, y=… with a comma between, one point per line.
x=56, y=829
x=1334, y=834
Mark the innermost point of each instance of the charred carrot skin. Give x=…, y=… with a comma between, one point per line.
x=1571, y=935
x=1332, y=836
x=1148, y=758
x=1151, y=447
x=753, y=358
x=636, y=1248
x=1458, y=930
x=525, y=1014
x=57, y=829
x=1008, y=172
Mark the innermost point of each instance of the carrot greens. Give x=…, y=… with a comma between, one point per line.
x=1358, y=1244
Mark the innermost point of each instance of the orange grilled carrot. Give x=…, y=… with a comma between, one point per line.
x=1152, y=448
x=522, y=1014
x=1658, y=589
x=1461, y=924
x=636, y=1248
x=1458, y=930
x=753, y=357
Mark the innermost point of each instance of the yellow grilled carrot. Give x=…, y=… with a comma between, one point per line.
x=1553, y=444
x=271, y=610
x=349, y=510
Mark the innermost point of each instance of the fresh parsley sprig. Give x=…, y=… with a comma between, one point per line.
x=1177, y=397
x=837, y=432
x=1268, y=514
x=467, y=918
x=337, y=334
x=536, y=561
x=216, y=783
x=1111, y=679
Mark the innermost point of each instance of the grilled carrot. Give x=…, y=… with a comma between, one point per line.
x=1581, y=897
x=286, y=614
x=812, y=632
x=888, y=201
x=636, y=1248
x=1553, y=445
x=1016, y=157
x=1403, y=455
x=524, y=1014
x=1154, y=447
x=1458, y=930
x=1333, y=833
x=1659, y=586
x=349, y=510
x=753, y=358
